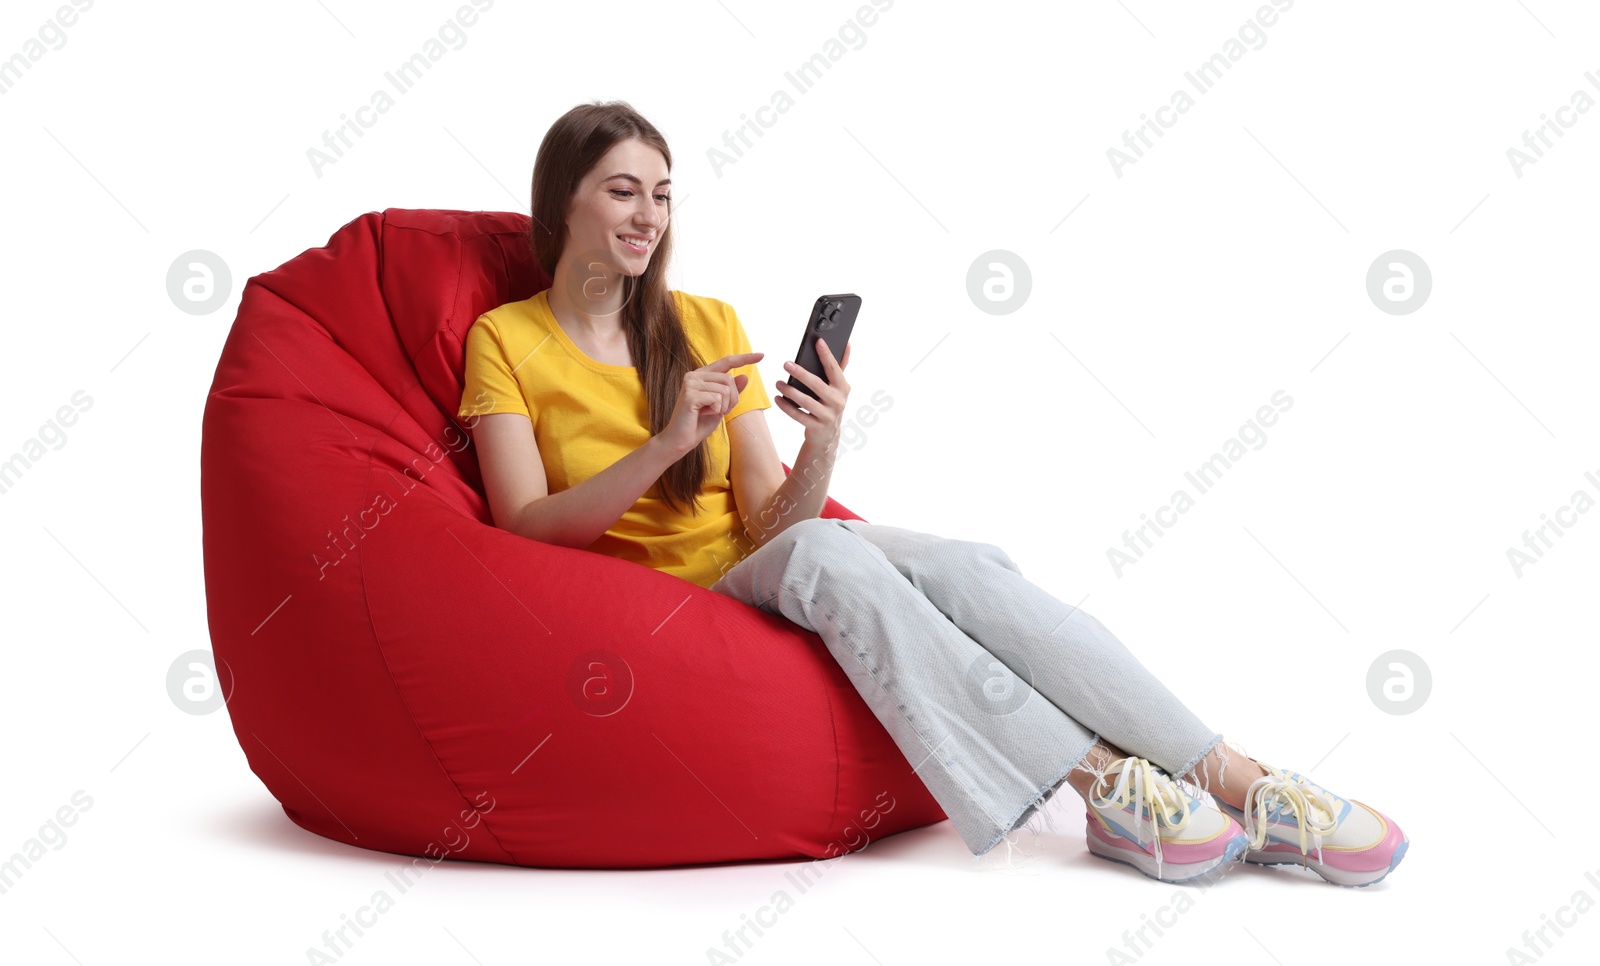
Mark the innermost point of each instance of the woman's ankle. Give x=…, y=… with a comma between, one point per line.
x=1082, y=781
x=1226, y=773
x=1087, y=772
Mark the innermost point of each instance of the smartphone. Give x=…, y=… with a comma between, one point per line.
x=832, y=319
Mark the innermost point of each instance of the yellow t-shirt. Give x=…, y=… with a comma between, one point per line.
x=587, y=415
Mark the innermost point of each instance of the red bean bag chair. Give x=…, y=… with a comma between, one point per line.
x=403, y=676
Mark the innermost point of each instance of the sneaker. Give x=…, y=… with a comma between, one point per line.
x=1147, y=821
x=1288, y=818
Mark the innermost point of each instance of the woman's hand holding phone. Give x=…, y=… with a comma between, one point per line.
x=707, y=394
x=823, y=416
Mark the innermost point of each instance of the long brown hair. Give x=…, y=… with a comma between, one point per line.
x=660, y=348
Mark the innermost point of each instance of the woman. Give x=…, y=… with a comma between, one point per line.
x=615, y=415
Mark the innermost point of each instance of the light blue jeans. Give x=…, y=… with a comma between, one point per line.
x=992, y=688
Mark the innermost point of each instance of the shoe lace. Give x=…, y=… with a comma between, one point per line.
x=1144, y=785
x=1313, y=809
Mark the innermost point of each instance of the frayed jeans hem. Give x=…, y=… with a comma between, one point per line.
x=1040, y=798
x=1195, y=761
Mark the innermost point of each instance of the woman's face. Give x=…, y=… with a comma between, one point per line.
x=620, y=209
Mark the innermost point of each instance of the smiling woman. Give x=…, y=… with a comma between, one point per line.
x=586, y=412
x=660, y=460
x=605, y=401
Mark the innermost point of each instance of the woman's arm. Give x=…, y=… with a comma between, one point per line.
x=519, y=495
x=768, y=501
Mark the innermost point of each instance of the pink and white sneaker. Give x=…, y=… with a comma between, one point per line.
x=1288, y=818
x=1147, y=821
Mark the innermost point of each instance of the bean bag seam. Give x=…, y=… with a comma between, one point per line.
x=448, y=324
x=265, y=281
x=838, y=766
x=366, y=604
x=447, y=327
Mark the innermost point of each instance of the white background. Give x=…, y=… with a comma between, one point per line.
x=1228, y=263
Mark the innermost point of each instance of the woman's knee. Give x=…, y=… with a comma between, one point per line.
x=830, y=547
x=804, y=537
x=975, y=553
x=803, y=533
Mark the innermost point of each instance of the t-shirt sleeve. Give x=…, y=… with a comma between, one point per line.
x=490, y=385
x=754, y=395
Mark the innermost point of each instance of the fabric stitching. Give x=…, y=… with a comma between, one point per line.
x=366, y=602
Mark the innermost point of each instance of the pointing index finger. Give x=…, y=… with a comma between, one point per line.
x=735, y=361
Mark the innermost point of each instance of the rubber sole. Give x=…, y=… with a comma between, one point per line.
x=1339, y=877
x=1170, y=871
x=1328, y=873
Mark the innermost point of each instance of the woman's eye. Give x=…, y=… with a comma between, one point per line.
x=623, y=191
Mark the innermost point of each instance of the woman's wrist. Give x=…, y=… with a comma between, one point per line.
x=667, y=451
